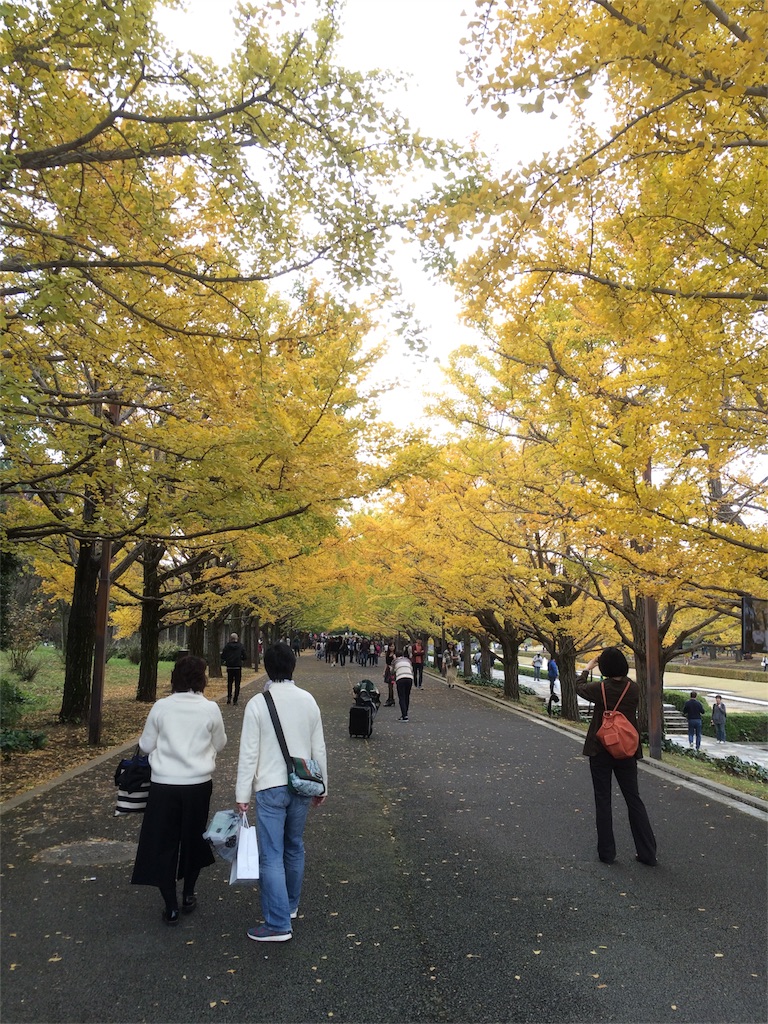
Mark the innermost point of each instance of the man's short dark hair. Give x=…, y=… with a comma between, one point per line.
x=279, y=661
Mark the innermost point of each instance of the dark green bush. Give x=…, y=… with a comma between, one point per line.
x=12, y=702
x=729, y=765
x=18, y=741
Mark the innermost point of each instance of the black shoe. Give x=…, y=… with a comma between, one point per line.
x=170, y=917
x=229, y=700
x=234, y=702
x=188, y=903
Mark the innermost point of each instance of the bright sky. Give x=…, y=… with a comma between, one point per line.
x=419, y=39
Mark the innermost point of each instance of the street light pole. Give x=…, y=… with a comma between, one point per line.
x=652, y=667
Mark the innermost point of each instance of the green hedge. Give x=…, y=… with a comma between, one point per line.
x=711, y=671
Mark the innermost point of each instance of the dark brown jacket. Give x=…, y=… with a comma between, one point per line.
x=628, y=707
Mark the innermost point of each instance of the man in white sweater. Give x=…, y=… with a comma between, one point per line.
x=280, y=814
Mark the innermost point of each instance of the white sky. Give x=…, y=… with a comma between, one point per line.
x=419, y=39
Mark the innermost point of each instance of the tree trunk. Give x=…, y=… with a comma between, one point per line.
x=197, y=638
x=213, y=646
x=565, y=656
x=149, y=631
x=466, y=640
x=78, y=661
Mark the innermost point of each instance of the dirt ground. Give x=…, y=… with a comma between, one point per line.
x=67, y=746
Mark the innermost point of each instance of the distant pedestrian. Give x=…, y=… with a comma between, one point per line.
x=719, y=715
x=553, y=674
x=693, y=710
x=450, y=664
x=403, y=672
x=603, y=766
x=537, y=661
x=233, y=657
x=417, y=660
x=182, y=735
x=764, y=663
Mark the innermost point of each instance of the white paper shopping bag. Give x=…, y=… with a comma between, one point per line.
x=245, y=866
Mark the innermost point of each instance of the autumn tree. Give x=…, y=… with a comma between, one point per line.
x=147, y=196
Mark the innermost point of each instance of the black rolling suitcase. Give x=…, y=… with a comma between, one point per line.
x=361, y=720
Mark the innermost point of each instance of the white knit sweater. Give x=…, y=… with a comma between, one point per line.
x=182, y=735
x=261, y=764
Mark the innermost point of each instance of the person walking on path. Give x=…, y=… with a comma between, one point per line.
x=281, y=814
x=182, y=735
x=719, y=715
x=603, y=766
x=450, y=664
x=537, y=661
x=693, y=710
x=403, y=672
x=417, y=660
x=553, y=674
x=233, y=656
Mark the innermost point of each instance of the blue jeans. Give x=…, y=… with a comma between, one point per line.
x=694, y=731
x=280, y=819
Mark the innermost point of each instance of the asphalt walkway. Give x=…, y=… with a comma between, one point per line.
x=451, y=877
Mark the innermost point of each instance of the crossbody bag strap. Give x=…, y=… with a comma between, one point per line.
x=279, y=730
x=621, y=698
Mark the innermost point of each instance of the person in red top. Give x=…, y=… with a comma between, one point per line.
x=417, y=660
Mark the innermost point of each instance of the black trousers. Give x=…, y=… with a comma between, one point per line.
x=234, y=675
x=418, y=674
x=603, y=767
x=171, y=844
x=404, y=695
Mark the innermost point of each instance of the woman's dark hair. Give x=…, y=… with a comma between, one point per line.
x=279, y=661
x=188, y=674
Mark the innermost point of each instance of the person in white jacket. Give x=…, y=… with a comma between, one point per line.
x=182, y=735
x=280, y=813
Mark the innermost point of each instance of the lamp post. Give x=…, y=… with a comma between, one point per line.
x=652, y=667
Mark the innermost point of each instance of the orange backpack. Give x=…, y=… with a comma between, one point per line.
x=617, y=734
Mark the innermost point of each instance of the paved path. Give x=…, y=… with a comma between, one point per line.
x=452, y=877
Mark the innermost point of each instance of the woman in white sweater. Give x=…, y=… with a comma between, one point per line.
x=183, y=734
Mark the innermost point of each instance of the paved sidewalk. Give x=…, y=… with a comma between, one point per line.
x=451, y=877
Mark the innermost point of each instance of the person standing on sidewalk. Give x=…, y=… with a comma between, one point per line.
x=693, y=710
x=280, y=813
x=233, y=656
x=182, y=735
x=537, y=662
x=719, y=715
x=603, y=766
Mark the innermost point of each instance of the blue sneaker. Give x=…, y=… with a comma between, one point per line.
x=264, y=934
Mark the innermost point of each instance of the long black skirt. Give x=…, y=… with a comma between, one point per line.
x=171, y=844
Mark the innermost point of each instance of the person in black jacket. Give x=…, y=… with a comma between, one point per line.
x=603, y=766
x=693, y=710
x=233, y=657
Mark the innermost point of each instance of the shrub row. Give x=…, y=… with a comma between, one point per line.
x=729, y=765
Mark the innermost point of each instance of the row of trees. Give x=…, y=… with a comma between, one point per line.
x=183, y=363
x=602, y=441
x=610, y=428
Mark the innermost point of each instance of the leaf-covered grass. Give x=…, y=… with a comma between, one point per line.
x=66, y=746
